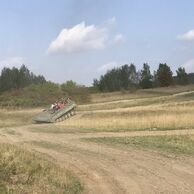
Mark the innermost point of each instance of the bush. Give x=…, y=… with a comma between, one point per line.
x=43, y=94
x=80, y=94
x=32, y=96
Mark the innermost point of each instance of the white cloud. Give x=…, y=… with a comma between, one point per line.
x=79, y=38
x=12, y=61
x=82, y=37
x=189, y=65
x=108, y=66
x=118, y=39
x=189, y=36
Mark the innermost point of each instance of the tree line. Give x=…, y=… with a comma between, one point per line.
x=128, y=77
x=21, y=87
x=18, y=78
x=124, y=77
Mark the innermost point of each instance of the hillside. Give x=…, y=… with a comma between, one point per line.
x=118, y=142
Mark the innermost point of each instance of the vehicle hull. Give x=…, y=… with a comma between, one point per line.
x=52, y=116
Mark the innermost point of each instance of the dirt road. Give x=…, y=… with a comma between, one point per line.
x=105, y=169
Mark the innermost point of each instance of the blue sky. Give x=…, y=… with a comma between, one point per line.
x=81, y=39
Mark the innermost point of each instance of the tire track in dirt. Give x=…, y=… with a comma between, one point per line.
x=105, y=169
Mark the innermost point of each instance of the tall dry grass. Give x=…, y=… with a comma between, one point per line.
x=146, y=101
x=141, y=93
x=169, y=112
x=12, y=118
x=172, y=111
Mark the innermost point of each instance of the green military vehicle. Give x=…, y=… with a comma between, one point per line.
x=57, y=113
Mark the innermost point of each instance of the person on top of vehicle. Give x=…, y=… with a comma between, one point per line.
x=59, y=105
x=52, y=106
x=56, y=106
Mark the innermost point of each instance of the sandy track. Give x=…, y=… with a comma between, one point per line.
x=105, y=169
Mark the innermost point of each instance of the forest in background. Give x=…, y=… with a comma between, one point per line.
x=127, y=77
x=19, y=87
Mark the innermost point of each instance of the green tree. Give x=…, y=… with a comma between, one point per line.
x=6, y=79
x=111, y=80
x=133, y=75
x=24, y=76
x=68, y=85
x=15, y=78
x=124, y=76
x=18, y=78
x=95, y=87
x=164, y=75
x=146, y=77
x=79, y=93
x=182, y=76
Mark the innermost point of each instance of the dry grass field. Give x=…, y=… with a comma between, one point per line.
x=140, y=142
x=172, y=111
x=126, y=95
x=9, y=118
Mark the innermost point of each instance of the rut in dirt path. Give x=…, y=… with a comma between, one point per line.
x=104, y=169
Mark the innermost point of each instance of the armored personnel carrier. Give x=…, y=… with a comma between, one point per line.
x=57, y=112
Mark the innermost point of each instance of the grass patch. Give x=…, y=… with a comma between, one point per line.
x=11, y=132
x=176, y=145
x=25, y=172
x=47, y=145
x=13, y=118
x=53, y=129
